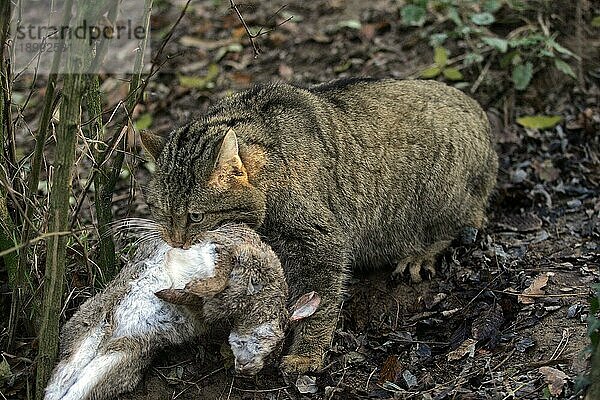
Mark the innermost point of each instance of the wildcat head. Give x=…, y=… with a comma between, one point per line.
x=202, y=182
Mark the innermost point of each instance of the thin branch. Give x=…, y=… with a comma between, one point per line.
x=260, y=32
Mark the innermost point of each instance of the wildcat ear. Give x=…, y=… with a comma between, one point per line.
x=229, y=168
x=229, y=153
x=153, y=144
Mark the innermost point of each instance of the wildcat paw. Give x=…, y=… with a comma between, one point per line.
x=415, y=265
x=297, y=364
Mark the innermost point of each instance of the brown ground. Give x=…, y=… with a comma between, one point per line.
x=394, y=339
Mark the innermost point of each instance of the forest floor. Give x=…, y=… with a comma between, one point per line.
x=506, y=312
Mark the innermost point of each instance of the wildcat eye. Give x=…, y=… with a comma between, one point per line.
x=196, y=217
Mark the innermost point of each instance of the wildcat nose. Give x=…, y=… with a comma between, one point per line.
x=178, y=239
x=180, y=244
x=175, y=243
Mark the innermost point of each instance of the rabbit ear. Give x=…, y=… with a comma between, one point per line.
x=305, y=306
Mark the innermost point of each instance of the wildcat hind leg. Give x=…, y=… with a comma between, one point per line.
x=421, y=262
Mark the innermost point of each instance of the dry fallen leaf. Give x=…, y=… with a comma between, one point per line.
x=306, y=384
x=389, y=370
x=467, y=347
x=521, y=223
x=555, y=379
x=487, y=325
x=545, y=170
x=190, y=41
x=285, y=71
x=535, y=288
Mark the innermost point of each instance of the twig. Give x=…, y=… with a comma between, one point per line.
x=255, y=48
x=541, y=295
x=562, y=345
x=260, y=390
x=481, y=76
x=483, y=290
x=34, y=240
x=580, y=42
x=339, y=382
x=544, y=363
x=369, y=379
x=260, y=31
x=230, y=388
x=501, y=363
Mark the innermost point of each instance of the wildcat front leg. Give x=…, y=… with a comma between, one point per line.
x=321, y=266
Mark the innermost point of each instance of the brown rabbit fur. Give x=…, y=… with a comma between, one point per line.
x=109, y=342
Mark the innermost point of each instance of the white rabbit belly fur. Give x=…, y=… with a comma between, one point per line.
x=146, y=322
x=140, y=310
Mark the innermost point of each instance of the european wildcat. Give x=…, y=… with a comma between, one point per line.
x=109, y=342
x=351, y=173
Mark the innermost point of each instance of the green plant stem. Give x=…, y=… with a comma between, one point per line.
x=103, y=201
x=66, y=138
x=24, y=282
x=59, y=210
x=106, y=178
x=7, y=226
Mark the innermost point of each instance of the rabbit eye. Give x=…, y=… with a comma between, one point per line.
x=196, y=217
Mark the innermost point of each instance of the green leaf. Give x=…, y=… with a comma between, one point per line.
x=431, y=72
x=521, y=75
x=345, y=66
x=596, y=288
x=453, y=74
x=508, y=59
x=198, y=82
x=5, y=372
x=143, y=122
x=562, y=50
x=484, y=18
x=437, y=39
x=527, y=41
x=492, y=6
x=472, y=58
x=517, y=5
x=499, y=44
x=593, y=325
x=539, y=121
x=232, y=48
x=440, y=56
x=413, y=15
x=596, y=21
x=594, y=305
x=564, y=68
x=194, y=82
x=351, y=24
x=455, y=16
x=461, y=85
